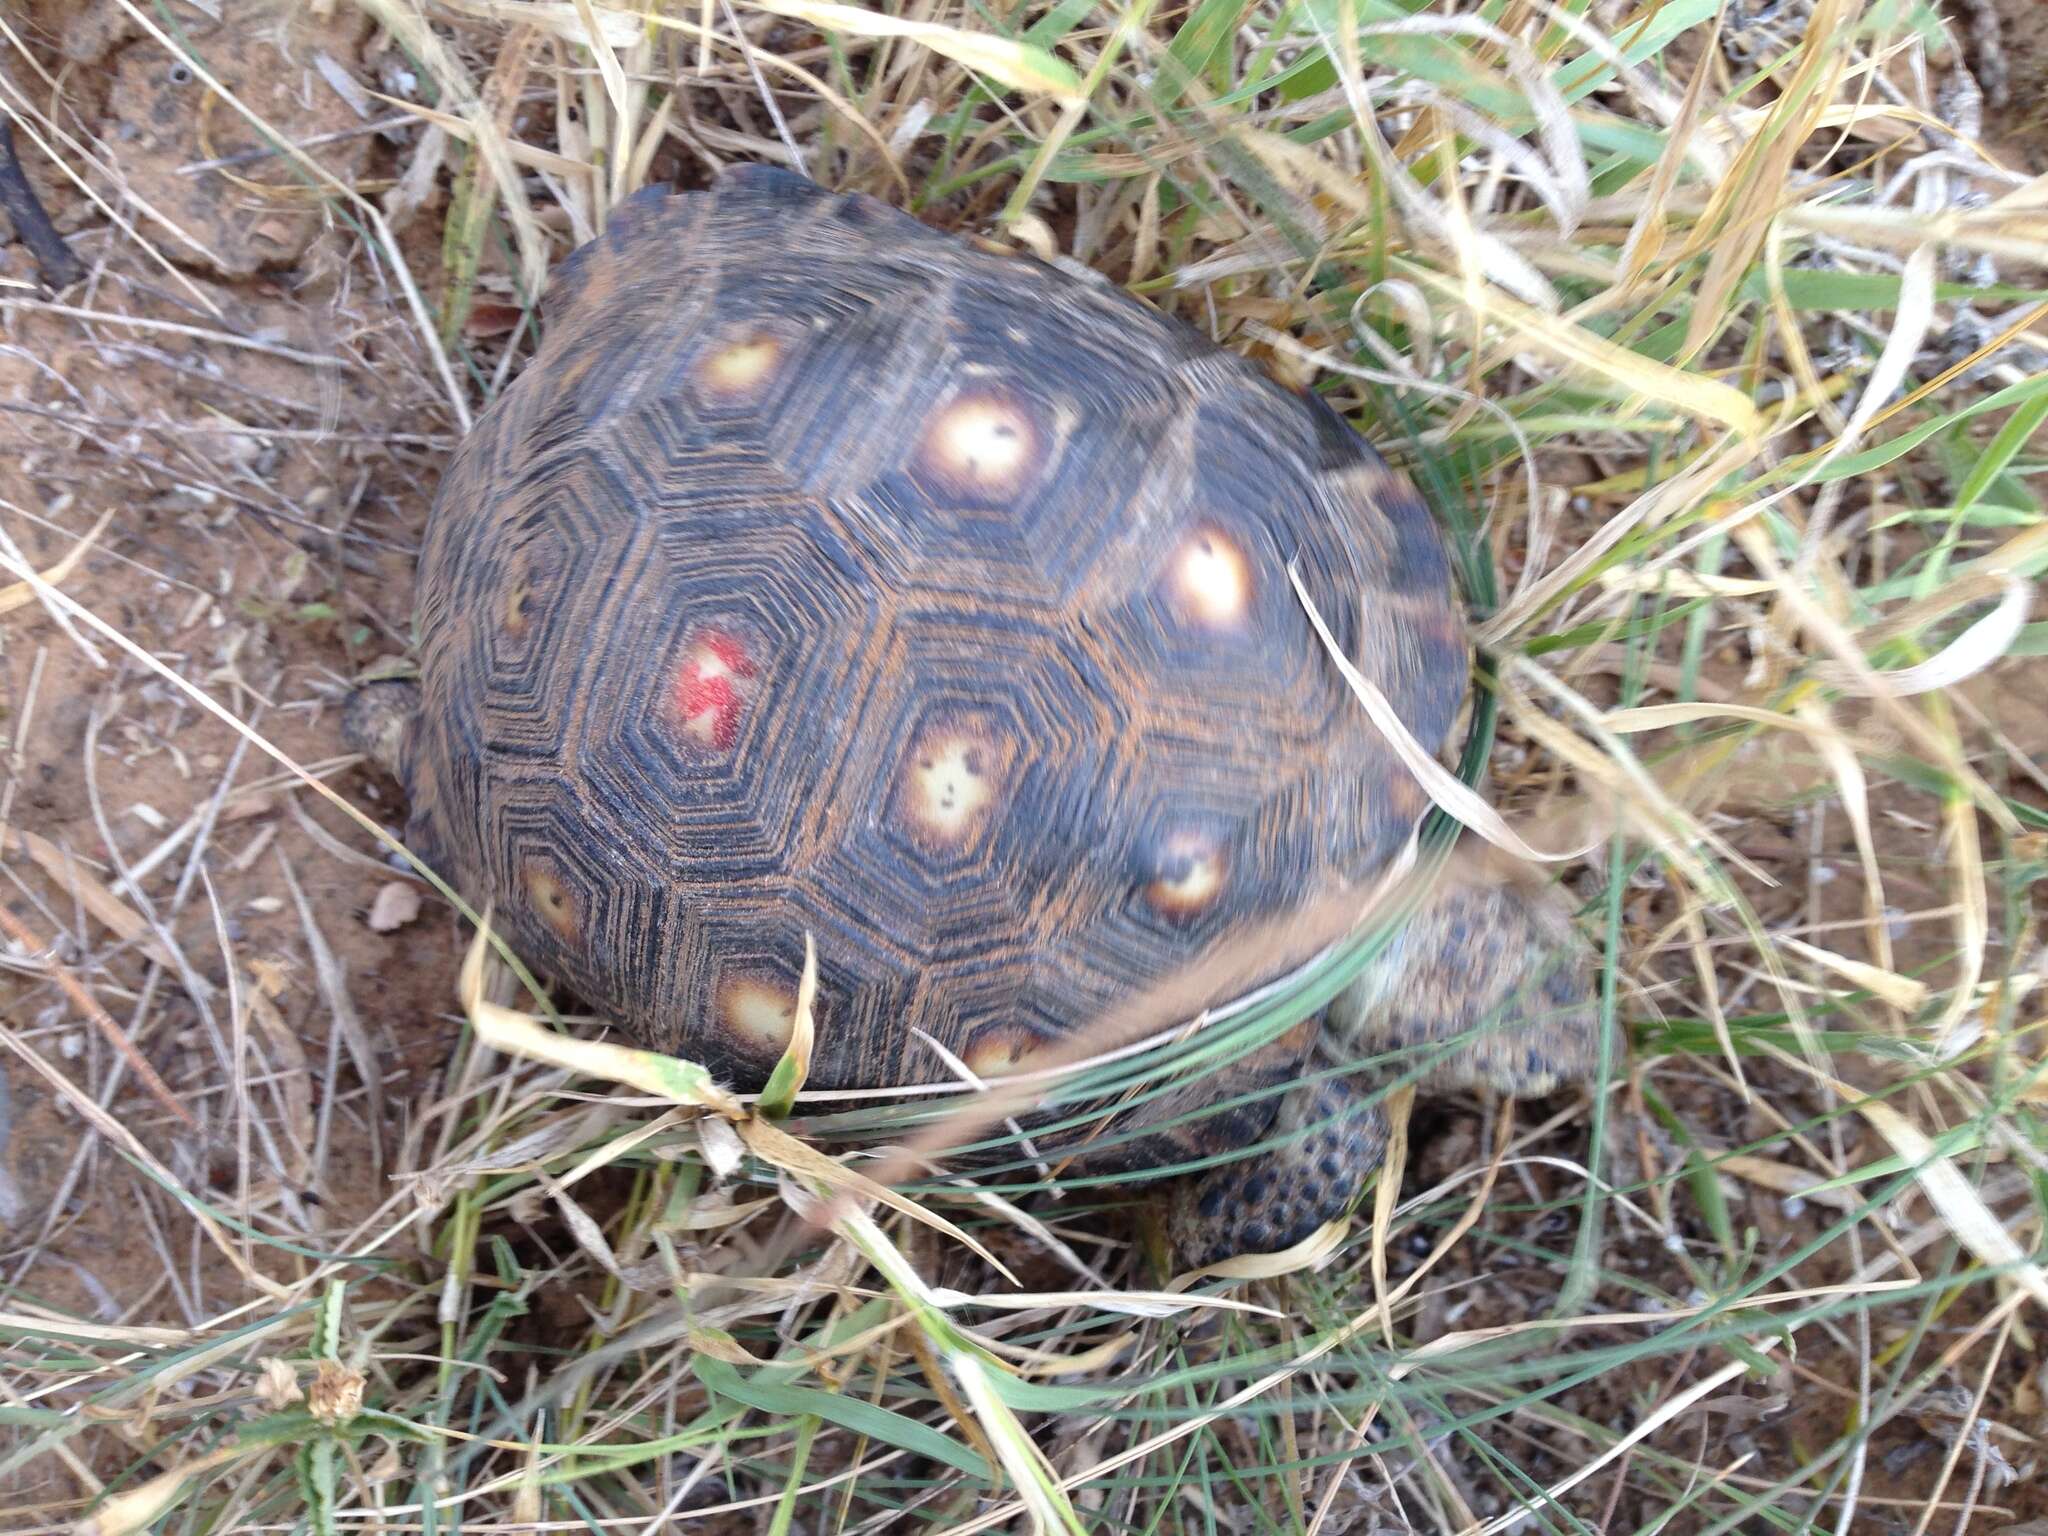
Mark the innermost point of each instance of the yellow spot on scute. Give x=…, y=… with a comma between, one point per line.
x=552, y=901
x=983, y=444
x=760, y=1013
x=953, y=779
x=951, y=788
x=517, y=603
x=1192, y=875
x=1212, y=579
x=1001, y=1051
x=741, y=369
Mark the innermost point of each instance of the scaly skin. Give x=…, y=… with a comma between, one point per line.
x=1485, y=986
x=374, y=721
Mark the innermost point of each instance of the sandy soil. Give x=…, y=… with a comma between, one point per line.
x=245, y=399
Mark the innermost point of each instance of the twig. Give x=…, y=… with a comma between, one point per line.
x=265, y=151
x=90, y=1007
x=55, y=264
x=175, y=328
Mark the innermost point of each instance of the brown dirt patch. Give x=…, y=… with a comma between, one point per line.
x=254, y=421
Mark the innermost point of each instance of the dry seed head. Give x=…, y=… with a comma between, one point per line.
x=277, y=1386
x=337, y=1394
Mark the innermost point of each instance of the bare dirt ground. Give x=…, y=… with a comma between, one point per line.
x=244, y=408
x=237, y=410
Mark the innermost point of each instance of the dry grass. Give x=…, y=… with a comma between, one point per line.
x=1717, y=337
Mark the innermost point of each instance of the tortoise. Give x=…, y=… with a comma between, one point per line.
x=825, y=573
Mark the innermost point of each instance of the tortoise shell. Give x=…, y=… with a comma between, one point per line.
x=826, y=573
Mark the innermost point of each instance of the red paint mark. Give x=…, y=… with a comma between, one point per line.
x=707, y=688
x=730, y=651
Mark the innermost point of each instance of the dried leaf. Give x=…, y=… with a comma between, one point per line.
x=486, y=320
x=1133, y=1303
x=1400, y=1105
x=396, y=904
x=22, y=593
x=787, y=1080
x=136, y=1509
x=1950, y=1192
x=288, y=1069
x=1452, y=794
x=722, y=1147
x=712, y=1212
x=588, y=1234
x=1600, y=358
x=772, y=1144
x=1021, y=66
x=1784, y=1179
x=1976, y=649
x=518, y=1034
x=1902, y=992
x=277, y=1385
x=74, y=880
x=331, y=976
x=717, y=1344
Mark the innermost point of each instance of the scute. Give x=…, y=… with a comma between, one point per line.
x=934, y=602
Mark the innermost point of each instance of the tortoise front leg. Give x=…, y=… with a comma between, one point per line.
x=1487, y=985
x=1328, y=1138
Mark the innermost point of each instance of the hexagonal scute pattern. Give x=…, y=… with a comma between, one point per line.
x=826, y=573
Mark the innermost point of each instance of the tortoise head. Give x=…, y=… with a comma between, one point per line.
x=376, y=718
